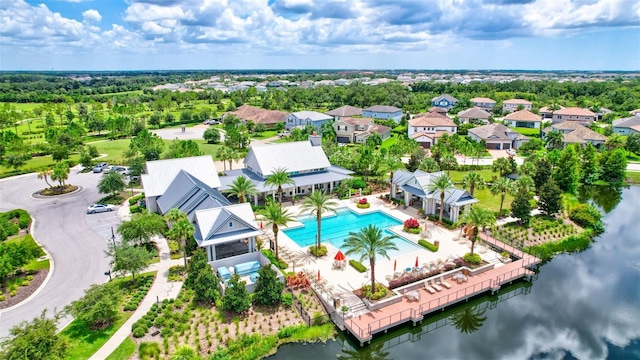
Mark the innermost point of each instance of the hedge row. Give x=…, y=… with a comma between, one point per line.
x=358, y=266
x=428, y=245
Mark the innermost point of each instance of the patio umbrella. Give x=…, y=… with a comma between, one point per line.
x=339, y=256
x=395, y=262
x=318, y=274
x=416, y=261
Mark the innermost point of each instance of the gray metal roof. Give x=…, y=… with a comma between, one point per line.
x=333, y=173
x=311, y=115
x=293, y=156
x=160, y=173
x=212, y=229
x=188, y=194
x=405, y=179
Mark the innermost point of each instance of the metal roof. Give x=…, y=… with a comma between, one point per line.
x=311, y=115
x=333, y=173
x=210, y=224
x=160, y=173
x=189, y=194
x=293, y=156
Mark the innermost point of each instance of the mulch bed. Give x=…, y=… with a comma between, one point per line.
x=58, y=190
x=24, y=292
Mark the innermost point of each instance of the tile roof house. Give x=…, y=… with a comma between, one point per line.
x=260, y=116
x=474, y=115
x=512, y=104
x=303, y=118
x=575, y=133
x=627, y=126
x=483, y=103
x=344, y=111
x=427, y=128
x=383, y=112
x=357, y=130
x=547, y=113
x=574, y=114
x=445, y=101
x=523, y=119
x=305, y=161
x=497, y=136
x=414, y=189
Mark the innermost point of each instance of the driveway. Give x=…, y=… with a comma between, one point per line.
x=76, y=241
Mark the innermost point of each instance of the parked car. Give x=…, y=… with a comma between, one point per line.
x=120, y=169
x=284, y=133
x=511, y=152
x=97, y=208
x=100, y=167
x=211, y=122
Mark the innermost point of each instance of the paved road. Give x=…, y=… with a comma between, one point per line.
x=67, y=232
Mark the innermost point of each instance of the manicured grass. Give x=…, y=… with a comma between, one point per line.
x=633, y=177
x=527, y=131
x=35, y=265
x=84, y=342
x=115, y=148
x=123, y=351
x=492, y=202
x=265, y=134
x=34, y=165
x=487, y=175
x=390, y=141
x=28, y=239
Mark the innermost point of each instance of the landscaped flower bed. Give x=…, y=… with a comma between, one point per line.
x=363, y=204
x=412, y=226
x=542, y=230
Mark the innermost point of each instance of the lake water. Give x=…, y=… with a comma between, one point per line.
x=584, y=305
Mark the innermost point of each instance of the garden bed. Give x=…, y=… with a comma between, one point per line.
x=23, y=292
x=541, y=230
x=58, y=190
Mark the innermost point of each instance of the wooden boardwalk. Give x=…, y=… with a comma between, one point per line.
x=363, y=327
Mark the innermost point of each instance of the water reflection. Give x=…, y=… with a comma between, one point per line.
x=468, y=320
x=583, y=305
x=606, y=197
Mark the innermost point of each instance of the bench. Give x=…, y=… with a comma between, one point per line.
x=224, y=273
x=247, y=268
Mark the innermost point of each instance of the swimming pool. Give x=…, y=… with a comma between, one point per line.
x=335, y=229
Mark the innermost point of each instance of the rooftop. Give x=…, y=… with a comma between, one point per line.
x=493, y=131
x=523, y=115
x=517, y=102
x=160, y=173
x=311, y=115
x=575, y=111
x=259, y=115
x=431, y=119
x=383, y=109
x=474, y=113
x=346, y=110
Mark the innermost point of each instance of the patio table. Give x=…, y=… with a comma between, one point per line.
x=413, y=295
x=459, y=277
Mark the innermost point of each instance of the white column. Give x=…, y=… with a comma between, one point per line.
x=255, y=200
x=407, y=196
x=393, y=190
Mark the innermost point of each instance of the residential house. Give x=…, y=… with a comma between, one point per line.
x=344, y=111
x=497, y=136
x=485, y=104
x=305, y=161
x=627, y=126
x=414, y=189
x=513, y=104
x=357, y=130
x=303, y=118
x=427, y=128
x=474, y=115
x=383, y=112
x=445, y=101
x=268, y=118
x=575, y=132
x=523, y=119
x=574, y=114
x=439, y=110
x=547, y=113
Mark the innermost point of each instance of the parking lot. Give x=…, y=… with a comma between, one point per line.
x=101, y=224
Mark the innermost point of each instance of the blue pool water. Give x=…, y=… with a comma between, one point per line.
x=335, y=229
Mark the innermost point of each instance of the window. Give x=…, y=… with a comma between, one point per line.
x=230, y=224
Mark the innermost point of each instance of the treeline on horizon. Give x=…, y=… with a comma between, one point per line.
x=620, y=95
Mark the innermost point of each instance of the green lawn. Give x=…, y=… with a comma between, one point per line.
x=123, y=351
x=36, y=265
x=84, y=342
x=456, y=176
x=633, y=177
x=33, y=165
x=265, y=134
x=390, y=141
x=492, y=202
x=527, y=131
x=115, y=148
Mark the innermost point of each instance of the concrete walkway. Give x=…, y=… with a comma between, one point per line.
x=160, y=290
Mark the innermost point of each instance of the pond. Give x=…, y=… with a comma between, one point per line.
x=584, y=305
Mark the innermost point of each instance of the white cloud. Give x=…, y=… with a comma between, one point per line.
x=92, y=15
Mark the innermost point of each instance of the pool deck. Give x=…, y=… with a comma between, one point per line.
x=364, y=319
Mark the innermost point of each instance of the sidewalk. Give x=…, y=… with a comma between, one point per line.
x=160, y=290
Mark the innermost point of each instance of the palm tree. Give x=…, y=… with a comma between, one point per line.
x=502, y=186
x=223, y=155
x=554, y=139
x=279, y=177
x=173, y=215
x=477, y=217
x=315, y=204
x=525, y=182
x=182, y=230
x=275, y=216
x=468, y=320
x=441, y=183
x=242, y=187
x=615, y=141
x=43, y=174
x=367, y=243
x=473, y=181
x=391, y=164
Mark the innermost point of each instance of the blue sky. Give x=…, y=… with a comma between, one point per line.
x=328, y=34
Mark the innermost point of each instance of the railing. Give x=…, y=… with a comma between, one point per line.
x=502, y=278
x=308, y=319
x=391, y=320
x=445, y=300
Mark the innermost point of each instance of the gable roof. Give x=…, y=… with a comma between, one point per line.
x=455, y=197
x=259, y=115
x=354, y=121
x=575, y=132
x=545, y=109
x=346, y=110
x=210, y=222
x=383, y=109
x=482, y=100
x=293, y=156
x=517, y=102
x=474, y=113
x=160, y=173
x=523, y=115
x=432, y=119
x=447, y=97
x=627, y=122
x=311, y=115
x=575, y=111
x=493, y=131
x=437, y=109
x=189, y=194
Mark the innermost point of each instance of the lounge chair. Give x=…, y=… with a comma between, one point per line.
x=435, y=286
x=429, y=288
x=441, y=281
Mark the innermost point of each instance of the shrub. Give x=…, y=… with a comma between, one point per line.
x=135, y=209
x=411, y=224
x=586, y=216
x=504, y=254
x=279, y=263
x=358, y=266
x=149, y=350
x=472, y=258
x=358, y=184
x=3, y=297
x=363, y=201
x=428, y=245
x=13, y=293
x=321, y=251
x=287, y=299
x=140, y=331
x=379, y=293
x=413, y=230
x=135, y=199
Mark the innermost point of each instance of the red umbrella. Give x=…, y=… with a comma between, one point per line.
x=318, y=274
x=416, y=261
x=395, y=262
x=339, y=256
x=260, y=224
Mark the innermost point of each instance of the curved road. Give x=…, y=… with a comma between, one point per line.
x=74, y=240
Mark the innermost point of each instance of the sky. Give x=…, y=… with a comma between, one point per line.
x=319, y=34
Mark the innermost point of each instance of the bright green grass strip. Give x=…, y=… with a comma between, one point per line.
x=84, y=342
x=36, y=265
x=456, y=176
x=123, y=351
x=633, y=177
x=33, y=165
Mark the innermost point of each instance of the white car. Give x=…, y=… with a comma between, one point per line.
x=511, y=152
x=97, y=208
